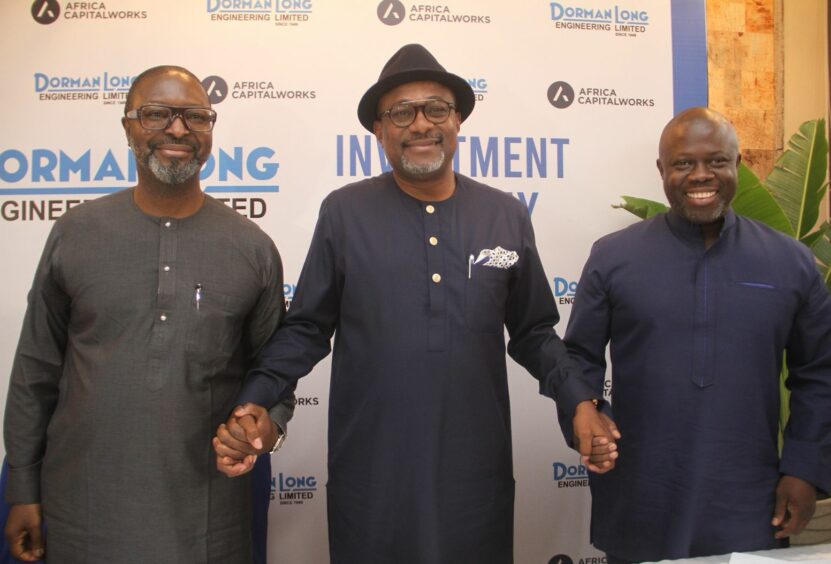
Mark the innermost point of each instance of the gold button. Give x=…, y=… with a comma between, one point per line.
x=437, y=278
x=430, y=208
x=434, y=241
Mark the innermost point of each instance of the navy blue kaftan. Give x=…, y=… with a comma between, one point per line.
x=420, y=467
x=697, y=338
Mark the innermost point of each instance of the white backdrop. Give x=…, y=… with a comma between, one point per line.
x=285, y=77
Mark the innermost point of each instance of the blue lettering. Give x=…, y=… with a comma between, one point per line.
x=44, y=162
x=22, y=165
x=268, y=170
x=562, y=471
x=510, y=156
x=528, y=203
x=67, y=165
x=109, y=168
x=563, y=287
x=538, y=157
x=479, y=159
x=230, y=164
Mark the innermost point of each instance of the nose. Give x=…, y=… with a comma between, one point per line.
x=177, y=127
x=421, y=123
x=701, y=172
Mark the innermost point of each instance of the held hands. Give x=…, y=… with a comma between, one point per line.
x=248, y=433
x=23, y=532
x=796, y=501
x=594, y=437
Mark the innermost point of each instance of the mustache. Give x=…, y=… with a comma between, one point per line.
x=168, y=140
x=437, y=137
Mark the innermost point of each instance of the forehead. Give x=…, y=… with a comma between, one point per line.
x=171, y=88
x=700, y=134
x=415, y=91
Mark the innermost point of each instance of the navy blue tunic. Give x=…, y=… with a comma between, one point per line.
x=697, y=339
x=418, y=295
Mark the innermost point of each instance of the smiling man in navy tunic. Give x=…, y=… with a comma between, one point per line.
x=699, y=305
x=417, y=273
x=147, y=308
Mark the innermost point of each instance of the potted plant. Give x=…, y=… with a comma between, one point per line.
x=788, y=200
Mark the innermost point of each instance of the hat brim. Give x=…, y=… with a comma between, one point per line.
x=368, y=106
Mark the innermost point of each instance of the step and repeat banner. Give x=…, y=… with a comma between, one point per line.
x=571, y=98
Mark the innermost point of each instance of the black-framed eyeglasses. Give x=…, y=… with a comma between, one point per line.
x=404, y=113
x=156, y=117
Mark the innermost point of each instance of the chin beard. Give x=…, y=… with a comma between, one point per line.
x=173, y=174
x=414, y=170
x=701, y=217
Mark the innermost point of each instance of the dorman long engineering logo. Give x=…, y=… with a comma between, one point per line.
x=281, y=12
x=42, y=184
x=293, y=490
x=570, y=475
x=48, y=11
x=394, y=12
x=561, y=95
x=109, y=87
x=219, y=89
x=623, y=21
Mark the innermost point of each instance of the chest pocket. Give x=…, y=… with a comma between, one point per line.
x=214, y=328
x=486, y=292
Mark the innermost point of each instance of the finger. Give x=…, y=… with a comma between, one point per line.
x=232, y=440
x=222, y=449
x=779, y=510
x=600, y=440
x=232, y=469
x=35, y=542
x=252, y=433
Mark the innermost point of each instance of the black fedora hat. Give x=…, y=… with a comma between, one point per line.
x=409, y=64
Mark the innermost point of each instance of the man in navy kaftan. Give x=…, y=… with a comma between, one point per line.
x=417, y=273
x=699, y=306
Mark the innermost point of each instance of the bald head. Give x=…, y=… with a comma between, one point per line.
x=156, y=72
x=701, y=118
x=698, y=156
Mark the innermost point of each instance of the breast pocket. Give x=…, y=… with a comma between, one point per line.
x=761, y=307
x=214, y=328
x=486, y=292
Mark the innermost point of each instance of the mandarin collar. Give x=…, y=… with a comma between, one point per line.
x=691, y=232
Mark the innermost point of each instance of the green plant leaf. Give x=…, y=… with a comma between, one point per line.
x=754, y=201
x=797, y=180
x=821, y=247
x=641, y=207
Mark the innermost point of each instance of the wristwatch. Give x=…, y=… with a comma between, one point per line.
x=281, y=438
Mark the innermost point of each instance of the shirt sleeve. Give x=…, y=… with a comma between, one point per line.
x=587, y=336
x=530, y=319
x=806, y=451
x=304, y=337
x=36, y=373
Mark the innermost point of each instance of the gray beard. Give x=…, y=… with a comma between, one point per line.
x=700, y=217
x=175, y=173
x=426, y=169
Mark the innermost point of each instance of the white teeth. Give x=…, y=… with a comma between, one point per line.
x=700, y=195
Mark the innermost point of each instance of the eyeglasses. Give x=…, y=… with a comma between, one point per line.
x=403, y=114
x=156, y=117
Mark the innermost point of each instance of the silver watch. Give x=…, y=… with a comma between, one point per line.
x=281, y=438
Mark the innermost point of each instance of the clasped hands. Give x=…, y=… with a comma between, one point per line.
x=248, y=433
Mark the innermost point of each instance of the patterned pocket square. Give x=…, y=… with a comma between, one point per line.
x=497, y=258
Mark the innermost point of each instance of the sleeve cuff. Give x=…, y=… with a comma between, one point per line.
x=23, y=485
x=809, y=461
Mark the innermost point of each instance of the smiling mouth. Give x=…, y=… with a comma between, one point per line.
x=701, y=195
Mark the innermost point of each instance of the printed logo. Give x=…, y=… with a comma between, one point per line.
x=479, y=86
x=561, y=559
x=45, y=11
x=391, y=12
x=293, y=490
x=570, y=475
x=216, y=88
x=564, y=290
x=622, y=21
x=560, y=94
x=111, y=88
x=238, y=171
x=308, y=401
x=283, y=12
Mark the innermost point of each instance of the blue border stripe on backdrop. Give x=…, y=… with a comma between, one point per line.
x=689, y=54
